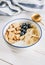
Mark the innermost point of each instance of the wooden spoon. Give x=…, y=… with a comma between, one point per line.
x=37, y=18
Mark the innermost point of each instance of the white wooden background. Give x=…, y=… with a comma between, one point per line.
x=34, y=55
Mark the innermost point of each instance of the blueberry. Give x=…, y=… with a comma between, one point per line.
x=23, y=30
x=25, y=27
x=22, y=33
x=29, y=26
x=23, y=24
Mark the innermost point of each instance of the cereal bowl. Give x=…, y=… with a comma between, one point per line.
x=22, y=32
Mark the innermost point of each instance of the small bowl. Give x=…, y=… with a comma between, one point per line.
x=24, y=20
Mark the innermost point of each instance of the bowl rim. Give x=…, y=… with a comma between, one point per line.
x=21, y=19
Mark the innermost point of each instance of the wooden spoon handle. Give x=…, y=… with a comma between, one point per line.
x=42, y=23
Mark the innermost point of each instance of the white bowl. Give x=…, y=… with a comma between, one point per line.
x=21, y=43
